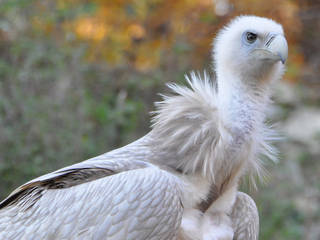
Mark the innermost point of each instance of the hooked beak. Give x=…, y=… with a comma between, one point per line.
x=275, y=48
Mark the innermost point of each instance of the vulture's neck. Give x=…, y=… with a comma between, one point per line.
x=195, y=130
x=241, y=106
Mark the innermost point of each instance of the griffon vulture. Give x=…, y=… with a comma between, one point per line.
x=180, y=180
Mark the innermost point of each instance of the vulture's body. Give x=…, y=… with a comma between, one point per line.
x=180, y=180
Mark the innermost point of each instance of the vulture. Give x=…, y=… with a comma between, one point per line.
x=179, y=181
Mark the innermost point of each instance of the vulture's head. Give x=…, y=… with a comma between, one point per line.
x=251, y=48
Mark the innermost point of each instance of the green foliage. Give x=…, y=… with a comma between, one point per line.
x=279, y=219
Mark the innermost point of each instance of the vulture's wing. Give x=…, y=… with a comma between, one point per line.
x=113, y=200
x=245, y=218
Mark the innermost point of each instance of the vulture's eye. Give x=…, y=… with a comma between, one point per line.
x=251, y=37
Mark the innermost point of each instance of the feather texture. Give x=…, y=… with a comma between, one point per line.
x=189, y=133
x=137, y=204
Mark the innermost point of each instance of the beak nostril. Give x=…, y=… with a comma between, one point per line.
x=277, y=46
x=270, y=40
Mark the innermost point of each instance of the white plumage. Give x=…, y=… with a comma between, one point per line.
x=180, y=180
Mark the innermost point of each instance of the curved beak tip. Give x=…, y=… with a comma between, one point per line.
x=283, y=59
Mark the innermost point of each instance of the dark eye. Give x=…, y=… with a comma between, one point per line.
x=251, y=37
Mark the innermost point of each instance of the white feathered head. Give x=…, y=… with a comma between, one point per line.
x=252, y=48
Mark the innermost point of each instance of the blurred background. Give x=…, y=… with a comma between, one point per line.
x=79, y=78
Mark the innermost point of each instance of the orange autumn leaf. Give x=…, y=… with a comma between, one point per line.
x=91, y=29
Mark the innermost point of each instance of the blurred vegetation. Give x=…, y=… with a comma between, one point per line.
x=79, y=77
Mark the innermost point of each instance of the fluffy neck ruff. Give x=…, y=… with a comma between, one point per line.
x=196, y=132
